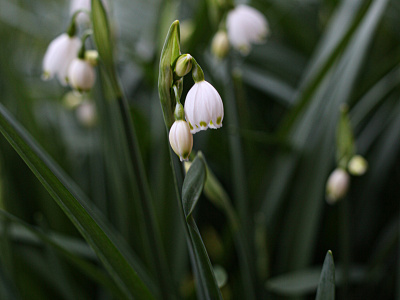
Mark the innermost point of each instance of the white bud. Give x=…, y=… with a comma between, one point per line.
x=246, y=25
x=86, y=114
x=81, y=75
x=203, y=107
x=60, y=53
x=357, y=165
x=181, y=139
x=220, y=44
x=337, y=185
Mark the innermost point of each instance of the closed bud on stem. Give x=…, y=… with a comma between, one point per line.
x=220, y=44
x=183, y=65
x=337, y=185
x=357, y=165
x=92, y=57
x=181, y=139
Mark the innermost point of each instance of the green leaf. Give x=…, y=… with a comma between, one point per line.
x=305, y=281
x=102, y=38
x=191, y=190
x=326, y=286
x=207, y=278
x=86, y=218
x=170, y=52
x=30, y=233
x=344, y=139
x=193, y=185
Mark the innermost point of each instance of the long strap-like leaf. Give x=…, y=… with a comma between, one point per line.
x=90, y=223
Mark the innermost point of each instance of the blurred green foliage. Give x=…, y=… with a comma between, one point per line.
x=271, y=158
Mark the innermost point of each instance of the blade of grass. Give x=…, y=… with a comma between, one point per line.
x=90, y=270
x=104, y=45
x=75, y=205
x=326, y=286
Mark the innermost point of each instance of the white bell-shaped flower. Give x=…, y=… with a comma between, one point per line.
x=181, y=139
x=60, y=53
x=203, y=107
x=337, y=185
x=81, y=75
x=246, y=25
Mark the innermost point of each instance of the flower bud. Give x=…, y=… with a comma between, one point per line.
x=92, y=57
x=357, y=165
x=86, y=114
x=181, y=139
x=220, y=44
x=337, y=185
x=81, y=75
x=183, y=65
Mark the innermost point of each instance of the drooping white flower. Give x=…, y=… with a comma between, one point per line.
x=60, y=53
x=181, y=139
x=246, y=25
x=203, y=107
x=337, y=185
x=81, y=75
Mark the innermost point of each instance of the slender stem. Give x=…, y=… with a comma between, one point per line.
x=344, y=229
x=159, y=264
x=178, y=174
x=398, y=263
x=244, y=236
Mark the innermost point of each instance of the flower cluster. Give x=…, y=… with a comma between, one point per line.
x=244, y=26
x=66, y=58
x=203, y=108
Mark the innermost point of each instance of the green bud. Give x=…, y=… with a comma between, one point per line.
x=197, y=72
x=183, y=65
x=220, y=44
x=169, y=54
x=92, y=57
x=179, y=112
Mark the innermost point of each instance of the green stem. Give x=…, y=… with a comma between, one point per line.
x=244, y=236
x=86, y=34
x=344, y=229
x=154, y=240
x=178, y=174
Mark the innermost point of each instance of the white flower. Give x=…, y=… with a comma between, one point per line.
x=61, y=51
x=246, y=25
x=337, y=185
x=203, y=107
x=181, y=139
x=81, y=75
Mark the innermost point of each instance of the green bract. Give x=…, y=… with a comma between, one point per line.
x=169, y=54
